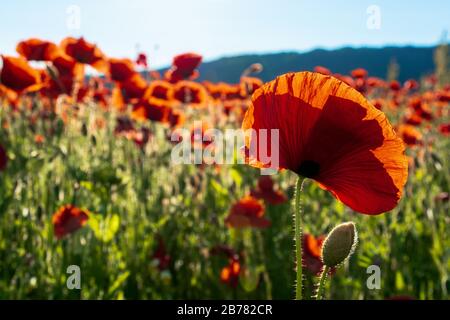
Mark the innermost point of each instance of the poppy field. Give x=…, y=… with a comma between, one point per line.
x=91, y=180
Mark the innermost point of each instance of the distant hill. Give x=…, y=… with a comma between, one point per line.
x=414, y=62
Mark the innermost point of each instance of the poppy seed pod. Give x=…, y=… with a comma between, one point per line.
x=339, y=244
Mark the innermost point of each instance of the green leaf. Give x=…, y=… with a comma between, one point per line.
x=236, y=176
x=104, y=228
x=118, y=282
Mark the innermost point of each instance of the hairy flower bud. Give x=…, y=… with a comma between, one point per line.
x=339, y=244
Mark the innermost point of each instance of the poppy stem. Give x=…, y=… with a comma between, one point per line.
x=298, y=211
x=323, y=279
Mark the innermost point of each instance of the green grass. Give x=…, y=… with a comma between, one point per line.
x=137, y=195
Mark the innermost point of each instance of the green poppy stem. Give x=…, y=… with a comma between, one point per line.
x=323, y=279
x=298, y=237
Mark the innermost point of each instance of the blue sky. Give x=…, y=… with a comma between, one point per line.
x=216, y=28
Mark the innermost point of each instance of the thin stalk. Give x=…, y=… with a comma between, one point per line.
x=323, y=279
x=298, y=237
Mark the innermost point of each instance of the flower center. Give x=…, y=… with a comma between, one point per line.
x=309, y=169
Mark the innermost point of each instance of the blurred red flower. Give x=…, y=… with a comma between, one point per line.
x=247, y=212
x=37, y=50
x=186, y=63
x=176, y=118
x=18, y=76
x=265, y=190
x=129, y=91
x=69, y=219
x=84, y=52
x=190, y=92
x=121, y=69
x=151, y=109
x=374, y=82
x=161, y=255
x=411, y=84
x=359, y=73
x=410, y=135
x=395, y=85
x=413, y=119
x=160, y=89
x=230, y=273
x=312, y=248
x=141, y=60
x=445, y=129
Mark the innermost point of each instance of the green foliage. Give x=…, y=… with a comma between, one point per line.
x=137, y=196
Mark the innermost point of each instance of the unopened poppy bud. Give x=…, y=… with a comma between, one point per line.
x=256, y=68
x=339, y=244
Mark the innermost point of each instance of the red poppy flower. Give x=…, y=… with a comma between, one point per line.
x=214, y=89
x=173, y=75
x=359, y=73
x=410, y=135
x=68, y=67
x=161, y=255
x=190, y=92
x=84, y=52
x=230, y=273
x=37, y=50
x=322, y=70
x=129, y=91
x=374, y=82
x=443, y=96
x=176, y=118
x=63, y=76
x=421, y=108
x=3, y=158
x=160, y=89
x=18, y=76
x=58, y=86
x=395, y=85
x=151, y=109
x=121, y=69
x=330, y=133
x=414, y=119
x=186, y=63
x=247, y=212
x=411, y=84
x=69, y=219
x=312, y=248
x=265, y=190
x=141, y=60
x=39, y=139
x=445, y=129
